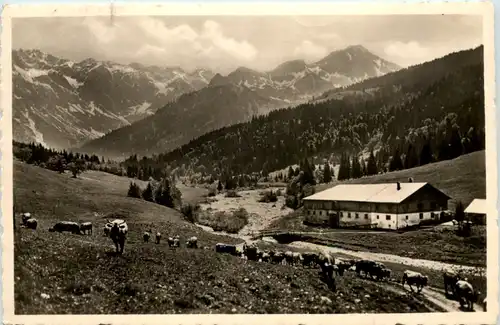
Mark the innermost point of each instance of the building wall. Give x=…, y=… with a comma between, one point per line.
x=477, y=218
x=417, y=207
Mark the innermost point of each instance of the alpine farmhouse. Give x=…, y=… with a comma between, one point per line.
x=476, y=211
x=382, y=206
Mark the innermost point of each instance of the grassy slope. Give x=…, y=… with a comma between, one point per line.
x=462, y=179
x=80, y=276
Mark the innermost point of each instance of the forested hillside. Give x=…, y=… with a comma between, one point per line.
x=431, y=112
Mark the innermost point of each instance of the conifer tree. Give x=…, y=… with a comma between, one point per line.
x=327, y=175
x=371, y=168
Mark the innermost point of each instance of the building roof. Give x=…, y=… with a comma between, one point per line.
x=477, y=206
x=377, y=193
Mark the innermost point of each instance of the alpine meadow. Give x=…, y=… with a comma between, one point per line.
x=250, y=164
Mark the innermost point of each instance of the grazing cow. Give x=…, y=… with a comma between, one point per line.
x=342, y=266
x=266, y=257
x=86, y=227
x=107, y=229
x=25, y=217
x=415, y=278
x=308, y=259
x=118, y=233
x=289, y=257
x=466, y=294
x=146, y=236
x=31, y=223
x=158, y=237
x=296, y=258
x=277, y=257
x=192, y=242
x=251, y=252
x=450, y=278
x=170, y=241
x=225, y=248
x=69, y=226
x=177, y=241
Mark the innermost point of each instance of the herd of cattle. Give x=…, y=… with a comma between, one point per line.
x=454, y=283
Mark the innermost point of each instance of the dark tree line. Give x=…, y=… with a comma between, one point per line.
x=62, y=160
x=425, y=114
x=163, y=192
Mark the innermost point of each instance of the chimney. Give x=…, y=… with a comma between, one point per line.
x=398, y=186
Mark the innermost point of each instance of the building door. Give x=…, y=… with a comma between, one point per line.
x=334, y=219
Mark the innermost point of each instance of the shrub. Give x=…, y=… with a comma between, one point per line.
x=212, y=192
x=189, y=212
x=268, y=196
x=134, y=191
x=225, y=221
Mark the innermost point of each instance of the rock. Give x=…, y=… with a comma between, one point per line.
x=357, y=300
x=246, y=280
x=45, y=296
x=367, y=296
x=326, y=300
x=233, y=310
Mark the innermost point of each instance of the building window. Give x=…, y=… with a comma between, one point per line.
x=341, y=214
x=357, y=216
x=314, y=212
x=366, y=215
x=387, y=217
x=377, y=217
x=320, y=213
x=348, y=214
x=309, y=212
x=421, y=216
x=432, y=215
x=406, y=217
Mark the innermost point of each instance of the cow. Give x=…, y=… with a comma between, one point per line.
x=118, y=233
x=31, y=223
x=86, y=227
x=342, y=266
x=466, y=294
x=192, y=242
x=158, y=237
x=177, y=241
x=25, y=217
x=251, y=252
x=68, y=226
x=364, y=266
x=170, y=241
x=296, y=258
x=225, y=248
x=277, y=257
x=107, y=230
x=266, y=257
x=146, y=236
x=450, y=278
x=308, y=259
x=415, y=278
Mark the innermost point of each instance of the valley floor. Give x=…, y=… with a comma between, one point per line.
x=63, y=273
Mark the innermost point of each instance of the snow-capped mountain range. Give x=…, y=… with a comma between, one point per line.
x=62, y=104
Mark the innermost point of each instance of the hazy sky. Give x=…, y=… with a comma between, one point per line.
x=223, y=43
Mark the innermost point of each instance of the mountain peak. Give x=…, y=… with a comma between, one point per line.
x=218, y=80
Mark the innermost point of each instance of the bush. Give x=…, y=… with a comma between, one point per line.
x=268, y=196
x=134, y=191
x=212, y=192
x=225, y=221
x=189, y=211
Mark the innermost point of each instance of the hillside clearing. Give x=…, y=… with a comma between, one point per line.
x=63, y=273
